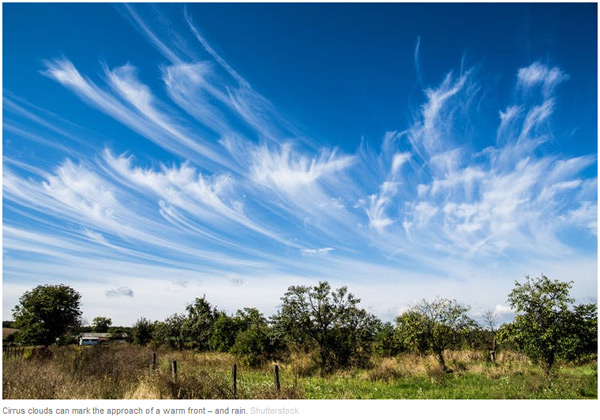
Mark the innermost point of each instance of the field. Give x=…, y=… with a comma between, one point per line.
x=126, y=372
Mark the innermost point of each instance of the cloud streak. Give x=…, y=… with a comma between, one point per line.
x=240, y=192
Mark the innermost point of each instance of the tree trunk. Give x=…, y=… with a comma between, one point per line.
x=494, y=350
x=324, y=355
x=549, y=363
x=440, y=355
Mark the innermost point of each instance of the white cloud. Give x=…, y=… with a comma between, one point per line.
x=503, y=309
x=399, y=160
x=539, y=74
x=422, y=212
x=286, y=170
x=318, y=251
x=121, y=291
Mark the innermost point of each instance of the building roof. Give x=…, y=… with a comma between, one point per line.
x=95, y=335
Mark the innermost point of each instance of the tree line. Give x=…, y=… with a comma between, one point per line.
x=330, y=326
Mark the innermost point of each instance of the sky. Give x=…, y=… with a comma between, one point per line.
x=157, y=153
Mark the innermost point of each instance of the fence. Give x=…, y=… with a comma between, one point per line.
x=13, y=351
x=234, y=374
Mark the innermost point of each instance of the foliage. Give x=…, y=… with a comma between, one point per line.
x=410, y=332
x=544, y=327
x=582, y=338
x=117, y=372
x=142, y=330
x=169, y=332
x=47, y=313
x=197, y=325
x=330, y=321
x=252, y=346
x=101, y=324
x=435, y=326
x=385, y=343
x=255, y=344
x=117, y=333
x=224, y=332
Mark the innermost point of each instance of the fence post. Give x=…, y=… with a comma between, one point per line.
x=154, y=361
x=234, y=374
x=277, y=386
x=174, y=368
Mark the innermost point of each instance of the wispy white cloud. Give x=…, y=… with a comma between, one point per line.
x=247, y=200
x=319, y=251
x=537, y=74
x=287, y=171
x=136, y=108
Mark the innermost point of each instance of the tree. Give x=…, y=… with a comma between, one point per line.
x=385, y=343
x=330, y=321
x=581, y=339
x=169, y=332
x=47, y=313
x=224, y=332
x=198, y=324
x=490, y=321
x=117, y=333
x=544, y=327
x=255, y=343
x=434, y=326
x=101, y=324
x=142, y=330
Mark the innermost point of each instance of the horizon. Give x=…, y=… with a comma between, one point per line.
x=157, y=153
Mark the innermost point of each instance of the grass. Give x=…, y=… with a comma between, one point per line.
x=124, y=372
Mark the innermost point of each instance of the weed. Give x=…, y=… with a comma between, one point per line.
x=123, y=371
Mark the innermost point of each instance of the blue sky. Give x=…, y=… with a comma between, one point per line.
x=155, y=153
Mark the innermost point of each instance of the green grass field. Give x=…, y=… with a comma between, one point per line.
x=124, y=372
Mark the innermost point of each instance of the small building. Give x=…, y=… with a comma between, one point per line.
x=93, y=339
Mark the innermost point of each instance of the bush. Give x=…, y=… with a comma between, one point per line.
x=253, y=347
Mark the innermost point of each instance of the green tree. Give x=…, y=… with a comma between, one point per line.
x=435, y=326
x=410, y=332
x=255, y=344
x=101, y=324
x=117, y=333
x=198, y=324
x=141, y=332
x=581, y=338
x=224, y=332
x=46, y=313
x=169, y=332
x=545, y=328
x=330, y=321
x=385, y=343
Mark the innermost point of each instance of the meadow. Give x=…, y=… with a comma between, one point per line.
x=127, y=372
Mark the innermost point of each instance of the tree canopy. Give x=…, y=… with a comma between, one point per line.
x=101, y=324
x=328, y=320
x=434, y=325
x=46, y=313
x=544, y=326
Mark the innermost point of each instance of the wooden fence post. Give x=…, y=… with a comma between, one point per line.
x=234, y=374
x=277, y=386
x=174, y=368
x=154, y=361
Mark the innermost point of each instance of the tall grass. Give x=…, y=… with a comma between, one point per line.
x=125, y=372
